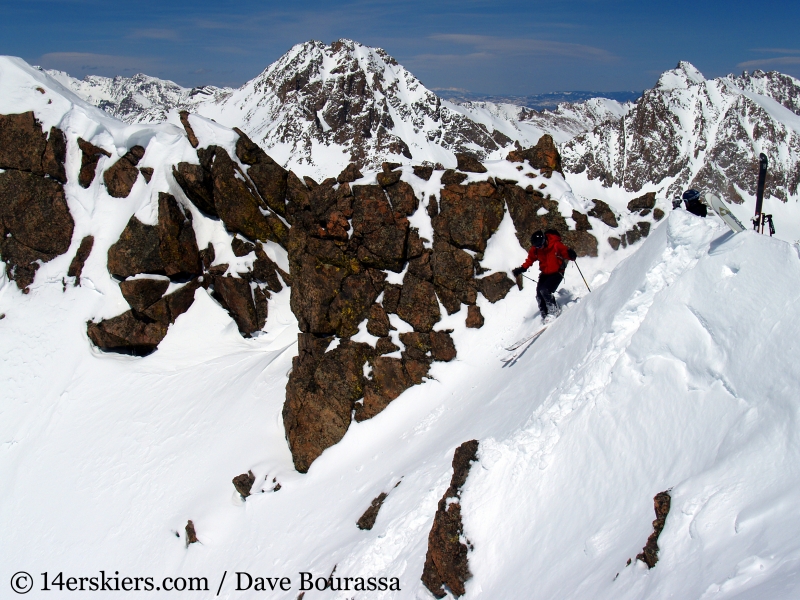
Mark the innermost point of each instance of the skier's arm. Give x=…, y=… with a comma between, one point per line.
x=528, y=262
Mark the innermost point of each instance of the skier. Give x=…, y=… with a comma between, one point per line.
x=693, y=203
x=553, y=256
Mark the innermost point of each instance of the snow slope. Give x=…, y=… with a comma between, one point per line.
x=677, y=372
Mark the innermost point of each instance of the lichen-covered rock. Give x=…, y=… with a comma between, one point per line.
x=141, y=293
x=268, y=176
x=381, y=236
x=453, y=271
x=418, y=305
x=389, y=379
x=350, y=174
x=238, y=206
x=176, y=240
x=120, y=177
x=543, y=156
x=321, y=395
x=649, y=554
x=474, y=317
x=127, y=334
x=90, y=156
x=446, y=562
x=495, y=287
x=423, y=172
x=136, y=251
x=244, y=483
x=76, y=265
x=35, y=223
x=469, y=164
x=378, y=322
x=184, y=116
x=404, y=201
x=236, y=296
x=196, y=181
x=603, y=211
x=647, y=201
x=25, y=147
x=469, y=215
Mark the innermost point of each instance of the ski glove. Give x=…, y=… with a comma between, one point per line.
x=572, y=254
x=518, y=271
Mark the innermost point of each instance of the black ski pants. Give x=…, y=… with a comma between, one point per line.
x=545, y=289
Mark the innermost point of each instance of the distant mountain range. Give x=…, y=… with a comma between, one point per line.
x=549, y=101
x=320, y=107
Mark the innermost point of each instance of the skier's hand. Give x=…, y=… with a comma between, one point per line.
x=518, y=271
x=572, y=254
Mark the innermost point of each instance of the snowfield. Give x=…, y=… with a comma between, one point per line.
x=677, y=372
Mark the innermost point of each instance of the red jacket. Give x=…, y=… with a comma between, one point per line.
x=552, y=258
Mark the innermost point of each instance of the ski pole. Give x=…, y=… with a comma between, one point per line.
x=582, y=277
x=529, y=279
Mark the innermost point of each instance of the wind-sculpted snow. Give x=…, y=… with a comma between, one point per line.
x=690, y=132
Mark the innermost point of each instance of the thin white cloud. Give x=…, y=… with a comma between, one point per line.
x=766, y=62
x=501, y=46
x=87, y=61
x=154, y=34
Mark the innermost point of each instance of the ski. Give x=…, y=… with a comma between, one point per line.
x=519, y=343
x=758, y=220
x=522, y=346
x=724, y=213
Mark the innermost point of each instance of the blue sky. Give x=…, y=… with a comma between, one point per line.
x=513, y=47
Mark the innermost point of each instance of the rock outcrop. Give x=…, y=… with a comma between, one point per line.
x=446, y=562
x=35, y=222
x=649, y=554
x=120, y=177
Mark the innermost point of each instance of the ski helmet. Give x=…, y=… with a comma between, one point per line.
x=538, y=239
x=691, y=195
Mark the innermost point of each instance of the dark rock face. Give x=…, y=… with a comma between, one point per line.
x=474, y=317
x=196, y=181
x=469, y=215
x=147, y=173
x=90, y=156
x=367, y=520
x=177, y=244
x=244, y=483
x=446, y=562
x=543, y=156
x=238, y=206
x=140, y=334
x=136, y=251
x=76, y=266
x=321, y=395
x=125, y=333
x=191, y=535
x=643, y=202
x=494, y=287
x=189, y=131
x=649, y=554
x=524, y=207
x=418, y=305
x=120, y=177
x=168, y=248
x=469, y=164
x=184, y=115
x=25, y=147
x=423, y=172
x=389, y=380
x=268, y=176
x=603, y=211
x=142, y=293
x=236, y=295
x=35, y=221
x=350, y=174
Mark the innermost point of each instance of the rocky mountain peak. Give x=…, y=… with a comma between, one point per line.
x=683, y=76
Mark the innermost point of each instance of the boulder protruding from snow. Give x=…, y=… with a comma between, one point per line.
x=649, y=554
x=120, y=177
x=543, y=156
x=446, y=562
x=244, y=483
